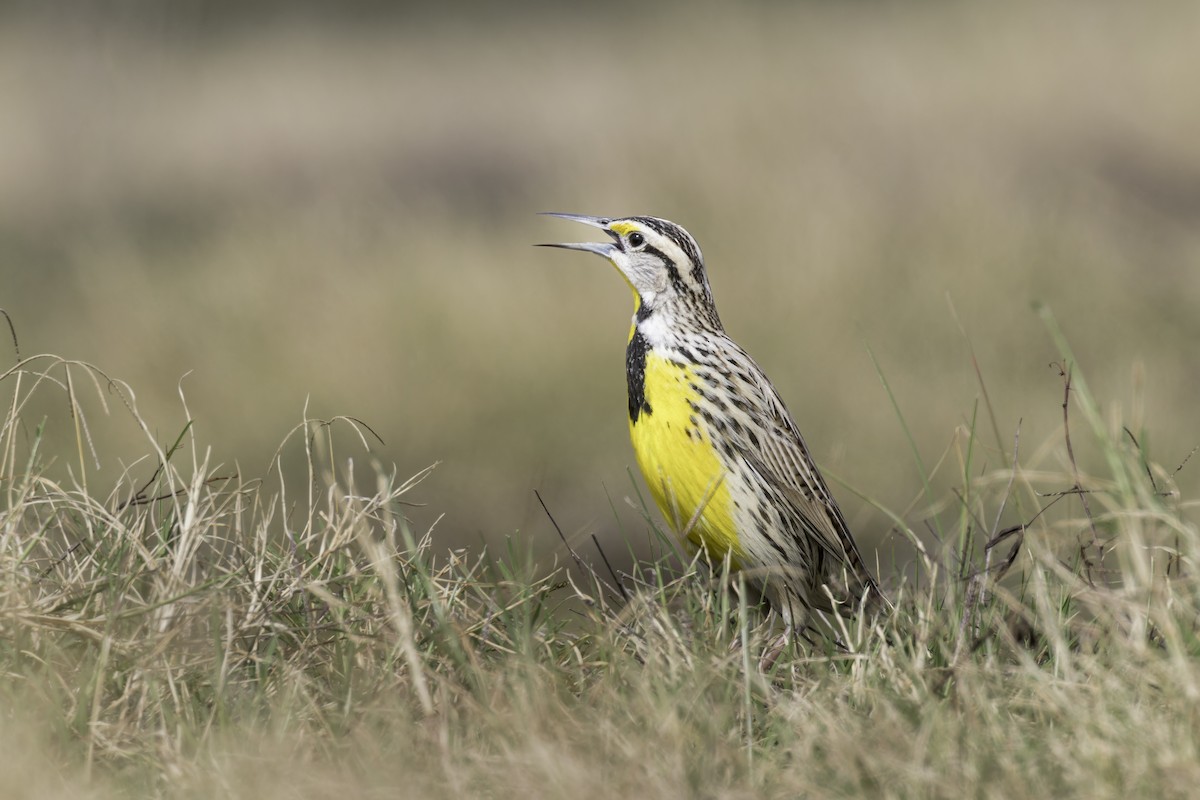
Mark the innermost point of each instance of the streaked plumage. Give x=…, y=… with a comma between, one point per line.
x=722, y=456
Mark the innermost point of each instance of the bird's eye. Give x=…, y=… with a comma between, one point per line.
x=636, y=240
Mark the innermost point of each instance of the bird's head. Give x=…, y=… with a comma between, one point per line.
x=660, y=261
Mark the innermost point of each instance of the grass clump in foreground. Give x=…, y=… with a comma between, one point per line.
x=189, y=632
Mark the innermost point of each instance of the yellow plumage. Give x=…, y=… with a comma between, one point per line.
x=680, y=465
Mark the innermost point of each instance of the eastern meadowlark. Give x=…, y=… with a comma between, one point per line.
x=722, y=457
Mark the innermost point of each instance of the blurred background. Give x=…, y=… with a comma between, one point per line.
x=296, y=204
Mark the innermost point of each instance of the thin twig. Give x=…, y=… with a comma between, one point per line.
x=1142, y=455
x=977, y=594
x=616, y=580
x=1015, y=530
x=142, y=500
x=584, y=566
x=1066, y=492
x=1007, y=532
x=578, y=560
x=1186, y=459
x=1065, y=372
x=987, y=549
x=46, y=572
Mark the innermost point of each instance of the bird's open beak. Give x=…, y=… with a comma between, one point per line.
x=606, y=249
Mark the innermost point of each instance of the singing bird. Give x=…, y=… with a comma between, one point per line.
x=721, y=455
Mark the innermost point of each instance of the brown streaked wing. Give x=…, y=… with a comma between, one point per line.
x=782, y=458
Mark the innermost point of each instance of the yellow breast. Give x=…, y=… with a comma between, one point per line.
x=681, y=467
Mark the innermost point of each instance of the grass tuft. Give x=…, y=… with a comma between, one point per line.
x=184, y=630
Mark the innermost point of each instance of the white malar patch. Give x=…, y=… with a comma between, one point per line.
x=657, y=329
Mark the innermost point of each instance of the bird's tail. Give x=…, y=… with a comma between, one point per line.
x=874, y=602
